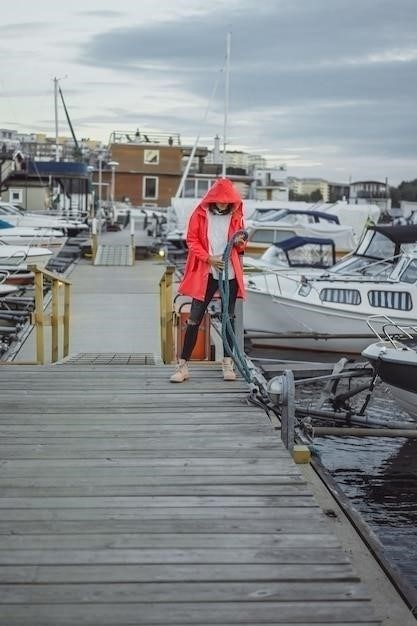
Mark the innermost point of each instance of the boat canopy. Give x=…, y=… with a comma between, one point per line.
x=317, y=215
x=398, y=234
x=298, y=241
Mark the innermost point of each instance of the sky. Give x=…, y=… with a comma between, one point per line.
x=326, y=87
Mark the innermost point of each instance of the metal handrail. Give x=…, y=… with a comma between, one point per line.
x=384, y=335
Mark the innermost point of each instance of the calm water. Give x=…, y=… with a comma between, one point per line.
x=378, y=475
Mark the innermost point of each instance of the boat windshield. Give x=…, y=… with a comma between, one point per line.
x=9, y=209
x=269, y=215
x=363, y=266
x=380, y=247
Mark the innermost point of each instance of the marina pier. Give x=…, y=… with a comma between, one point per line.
x=128, y=500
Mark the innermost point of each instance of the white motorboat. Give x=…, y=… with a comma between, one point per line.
x=289, y=223
x=16, y=217
x=328, y=311
x=394, y=359
x=31, y=236
x=13, y=256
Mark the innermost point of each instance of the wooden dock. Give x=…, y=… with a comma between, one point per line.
x=127, y=500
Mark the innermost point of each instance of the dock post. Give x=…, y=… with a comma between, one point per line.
x=166, y=311
x=132, y=240
x=93, y=238
x=288, y=410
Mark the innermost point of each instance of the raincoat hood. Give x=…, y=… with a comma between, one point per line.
x=223, y=191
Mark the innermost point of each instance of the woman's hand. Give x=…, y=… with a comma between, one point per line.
x=239, y=241
x=216, y=262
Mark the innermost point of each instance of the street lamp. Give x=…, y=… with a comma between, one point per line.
x=100, y=180
x=113, y=165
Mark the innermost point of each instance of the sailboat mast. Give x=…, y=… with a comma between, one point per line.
x=193, y=151
x=226, y=100
x=56, y=118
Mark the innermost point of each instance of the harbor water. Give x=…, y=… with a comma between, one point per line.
x=378, y=475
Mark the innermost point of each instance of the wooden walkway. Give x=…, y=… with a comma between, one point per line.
x=127, y=500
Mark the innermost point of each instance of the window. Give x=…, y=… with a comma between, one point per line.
x=262, y=236
x=202, y=187
x=15, y=195
x=340, y=296
x=400, y=300
x=270, y=235
x=150, y=187
x=409, y=275
x=189, y=189
x=151, y=157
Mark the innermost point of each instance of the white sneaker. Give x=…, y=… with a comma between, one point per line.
x=228, y=371
x=181, y=373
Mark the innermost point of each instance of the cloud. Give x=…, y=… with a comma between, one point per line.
x=326, y=80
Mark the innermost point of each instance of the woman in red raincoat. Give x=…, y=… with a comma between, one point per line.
x=213, y=222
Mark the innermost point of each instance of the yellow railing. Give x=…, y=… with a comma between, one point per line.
x=59, y=315
x=166, y=314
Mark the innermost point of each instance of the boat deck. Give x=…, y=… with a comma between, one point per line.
x=128, y=500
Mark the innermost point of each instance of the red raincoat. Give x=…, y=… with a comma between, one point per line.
x=197, y=268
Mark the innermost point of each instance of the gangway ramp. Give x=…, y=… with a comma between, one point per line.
x=114, y=255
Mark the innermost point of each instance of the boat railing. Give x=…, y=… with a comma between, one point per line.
x=58, y=318
x=272, y=273
x=390, y=330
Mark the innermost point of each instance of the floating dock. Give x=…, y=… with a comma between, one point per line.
x=128, y=500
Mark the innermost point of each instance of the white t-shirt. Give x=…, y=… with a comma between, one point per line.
x=217, y=233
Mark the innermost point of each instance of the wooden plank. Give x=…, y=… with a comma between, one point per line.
x=149, y=415
x=149, y=502
x=116, y=525
x=175, y=573
x=182, y=513
x=88, y=490
x=184, y=465
x=171, y=555
x=24, y=433
x=183, y=592
x=167, y=540
x=198, y=440
x=143, y=483
x=187, y=613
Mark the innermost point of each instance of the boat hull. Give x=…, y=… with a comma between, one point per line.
x=396, y=365
x=316, y=328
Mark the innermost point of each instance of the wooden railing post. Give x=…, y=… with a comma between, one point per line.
x=40, y=320
x=55, y=322
x=67, y=309
x=38, y=317
x=166, y=313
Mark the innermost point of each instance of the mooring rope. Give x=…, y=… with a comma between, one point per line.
x=234, y=351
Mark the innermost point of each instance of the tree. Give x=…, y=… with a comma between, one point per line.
x=316, y=196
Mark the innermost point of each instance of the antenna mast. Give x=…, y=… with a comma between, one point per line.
x=56, y=118
x=226, y=100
